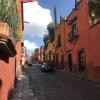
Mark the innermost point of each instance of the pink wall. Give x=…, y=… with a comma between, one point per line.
x=42, y=54
x=18, y=58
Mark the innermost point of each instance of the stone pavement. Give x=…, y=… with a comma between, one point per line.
x=81, y=76
x=60, y=86
x=22, y=90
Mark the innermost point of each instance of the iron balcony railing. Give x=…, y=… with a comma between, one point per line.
x=73, y=36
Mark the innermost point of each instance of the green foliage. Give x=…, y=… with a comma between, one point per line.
x=94, y=9
x=45, y=40
x=61, y=18
x=36, y=51
x=55, y=15
x=9, y=15
x=50, y=29
x=76, y=2
x=50, y=36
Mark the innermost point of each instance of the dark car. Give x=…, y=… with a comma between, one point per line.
x=29, y=63
x=46, y=67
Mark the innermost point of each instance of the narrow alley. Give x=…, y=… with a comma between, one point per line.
x=49, y=50
x=56, y=85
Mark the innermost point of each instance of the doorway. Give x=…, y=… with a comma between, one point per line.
x=70, y=64
x=81, y=60
x=56, y=59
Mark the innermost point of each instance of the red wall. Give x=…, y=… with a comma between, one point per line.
x=88, y=40
x=60, y=50
x=7, y=70
x=7, y=75
x=95, y=39
x=83, y=41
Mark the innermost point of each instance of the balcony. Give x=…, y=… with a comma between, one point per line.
x=73, y=37
x=7, y=42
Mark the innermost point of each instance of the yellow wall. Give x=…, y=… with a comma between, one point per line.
x=50, y=48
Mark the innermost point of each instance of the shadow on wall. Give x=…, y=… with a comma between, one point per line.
x=4, y=58
x=0, y=88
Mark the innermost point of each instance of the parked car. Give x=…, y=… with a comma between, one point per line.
x=29, y=63
x=45, y=67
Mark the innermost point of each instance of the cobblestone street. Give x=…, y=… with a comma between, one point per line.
x=60, y=86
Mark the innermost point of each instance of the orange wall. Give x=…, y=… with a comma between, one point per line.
x=7, y=70
x=18, y=58
x=88, y=40
x=83, y=32
x=18, y=44
x=7, y=75
x=59, y=50
x=95, y=38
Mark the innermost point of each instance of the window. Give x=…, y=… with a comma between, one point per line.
x=74, y=30
x=59, y=41
x=73, y=35
x=0, y=83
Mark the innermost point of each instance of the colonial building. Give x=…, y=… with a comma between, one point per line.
x=9, y=47
x=42, y=54
x=77, y=43
x=50, y=52
x=60, y=45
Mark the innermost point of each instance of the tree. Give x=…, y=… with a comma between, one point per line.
x=9, y=15
x=55, y=16
x=45, y=40
x=94, y=9
x=61, y=18
x=36, y=51
x=77, y=2
x=50, y=29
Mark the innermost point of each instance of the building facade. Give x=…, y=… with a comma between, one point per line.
x=42, y=54
x=59, y=45
x=50, y=52
x=79, y=43
x=8, y=59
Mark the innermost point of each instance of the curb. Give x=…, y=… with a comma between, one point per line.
x=80, y=77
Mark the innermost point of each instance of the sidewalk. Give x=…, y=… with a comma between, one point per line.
x=80, y=76
x=22, y=90
x=84, y=77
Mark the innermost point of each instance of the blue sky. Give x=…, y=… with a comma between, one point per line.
x=64, y=7
x=39, y=15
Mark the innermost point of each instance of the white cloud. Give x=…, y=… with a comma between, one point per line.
x=38, y=19
x=30, y=46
